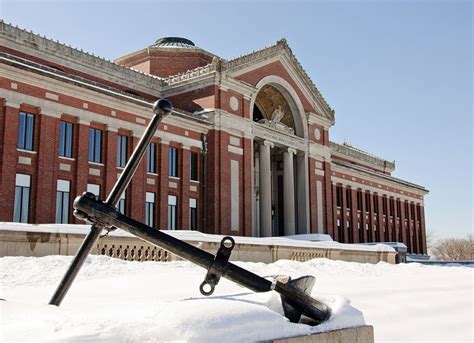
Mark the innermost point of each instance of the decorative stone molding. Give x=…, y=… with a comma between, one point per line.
x=191, y=74
x=63, y=51
x=346, y=150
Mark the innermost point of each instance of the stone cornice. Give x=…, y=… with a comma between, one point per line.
x=15, y=38
x=347, y=151
x=280, y=46
x=395, y=181
x=190, y=75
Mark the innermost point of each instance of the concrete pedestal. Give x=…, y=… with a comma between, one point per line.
x=360, y=334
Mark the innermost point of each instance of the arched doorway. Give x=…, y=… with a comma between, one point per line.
x=280, y=170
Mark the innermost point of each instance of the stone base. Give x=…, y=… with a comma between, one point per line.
x=360, y=334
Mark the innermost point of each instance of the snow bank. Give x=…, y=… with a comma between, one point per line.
x=117, y=301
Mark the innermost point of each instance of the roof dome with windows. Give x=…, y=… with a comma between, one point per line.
x=173, y=42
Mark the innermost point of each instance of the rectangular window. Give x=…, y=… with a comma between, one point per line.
x=338, y=196
x=172, y=201
x=340, y=232
x=349, y=233
x=384, y=205
x=65, y=139
x=121, y=204
x=406, y=209
x=62, y=202
x=95, y=145
x=173, y=162
x=121, y=150
x=151, y=158
x=194, y=166
x=150, y=208
x=192, y=214
x=359, y=200
x=367, y=201
x=348, y=198
x=376, y=203
x=392, y=207
x=26, y=131
x=22, y=198
x=94, y=189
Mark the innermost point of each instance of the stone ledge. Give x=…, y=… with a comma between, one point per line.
x=360, y=334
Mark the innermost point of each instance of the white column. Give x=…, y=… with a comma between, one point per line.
x=302, y=190
x=289, y=192
x=265, y=190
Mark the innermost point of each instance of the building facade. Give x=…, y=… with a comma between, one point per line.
x=246, y=151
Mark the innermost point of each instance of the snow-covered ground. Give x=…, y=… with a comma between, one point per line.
x=116, y=301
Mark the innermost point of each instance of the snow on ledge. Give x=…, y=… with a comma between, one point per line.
x=189, y=235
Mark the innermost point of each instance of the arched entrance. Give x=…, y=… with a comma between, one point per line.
x=280, y=161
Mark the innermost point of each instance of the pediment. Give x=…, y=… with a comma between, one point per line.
x=279, y=60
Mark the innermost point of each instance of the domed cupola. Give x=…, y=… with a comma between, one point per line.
x=167, y=56
x=173, y=42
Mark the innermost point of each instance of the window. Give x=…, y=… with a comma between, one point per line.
x=340, y=233
x=399, y=208
x=367, y=201
x=121, y=204
x=121, y=150
x=25, y=131
x=173, y=162
x=94, y=189
x=359, y=200
x=376, y=203
x=338, y=196
x=22, y=198
x=151, y=158
x=95, y=145
x=348, y=198
x=65, y=139
x=392, y=207
x=361, y=233
x=194, y=166
x=349, y=233
x=62, y=202
x=384, y=205
x=406, y=209
x=192, y=214
x=172, y=212
x=150, y=208
x=369, y=233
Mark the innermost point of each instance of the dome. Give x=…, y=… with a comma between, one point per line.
x=173, y=42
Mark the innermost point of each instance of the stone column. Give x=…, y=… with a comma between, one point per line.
x=302, y=191
x=265, y=190
x=289, y=192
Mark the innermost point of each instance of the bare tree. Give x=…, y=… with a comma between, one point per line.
x=430, y=240
x=454, y=249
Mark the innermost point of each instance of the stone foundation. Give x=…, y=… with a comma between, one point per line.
x=26, y=243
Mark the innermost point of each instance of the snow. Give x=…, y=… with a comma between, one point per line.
x=119, y=301
x=190, y=236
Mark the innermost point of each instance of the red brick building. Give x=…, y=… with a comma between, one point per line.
x=247, y=151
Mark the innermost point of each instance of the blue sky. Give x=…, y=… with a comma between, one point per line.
x=398, y=73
